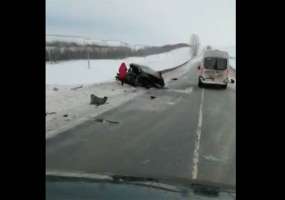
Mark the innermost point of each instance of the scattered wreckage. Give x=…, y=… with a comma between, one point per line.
x=97, y=100
x=137, y=75
x=140, y=75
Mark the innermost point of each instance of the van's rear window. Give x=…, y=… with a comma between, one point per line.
x=210, y=63
x=221, y=63
x=215, y=63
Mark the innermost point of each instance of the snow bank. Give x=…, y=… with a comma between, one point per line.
x=77, y=72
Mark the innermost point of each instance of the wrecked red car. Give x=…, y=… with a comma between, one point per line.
x=140, y=75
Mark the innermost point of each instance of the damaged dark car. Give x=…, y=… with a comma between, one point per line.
x=140, y=75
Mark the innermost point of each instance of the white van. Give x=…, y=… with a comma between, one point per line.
x=214, y=68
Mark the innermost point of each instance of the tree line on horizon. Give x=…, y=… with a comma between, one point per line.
x=61, y=51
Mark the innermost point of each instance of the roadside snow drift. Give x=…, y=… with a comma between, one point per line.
x=77, y=71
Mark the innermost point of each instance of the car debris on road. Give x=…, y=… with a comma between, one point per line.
x=50, y=113
x=68, y=116
x=94, y=100
x=105, y=120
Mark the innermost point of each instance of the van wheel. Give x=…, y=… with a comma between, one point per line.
x=200, y=84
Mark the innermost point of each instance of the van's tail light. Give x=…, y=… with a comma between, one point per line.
x=227, y=72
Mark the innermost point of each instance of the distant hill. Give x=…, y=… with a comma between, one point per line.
x=79, y=40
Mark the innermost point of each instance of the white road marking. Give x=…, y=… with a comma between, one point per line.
x=183, y=91
x=197, y=141
x=211, y=158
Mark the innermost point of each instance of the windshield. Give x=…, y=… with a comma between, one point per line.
x=215, y=63
x=134, y=88
x=127, y=188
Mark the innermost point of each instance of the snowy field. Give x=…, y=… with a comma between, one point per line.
x=67, y=107
x=77, y=72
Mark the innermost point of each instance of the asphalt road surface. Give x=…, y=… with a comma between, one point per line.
x=185, y=131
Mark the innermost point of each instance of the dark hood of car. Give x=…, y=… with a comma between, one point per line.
x=172, y=181
x=146, y=70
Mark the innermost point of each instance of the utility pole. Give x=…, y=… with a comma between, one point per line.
x=88, y=56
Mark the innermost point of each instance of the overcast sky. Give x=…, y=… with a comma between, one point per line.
x=150, y=22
